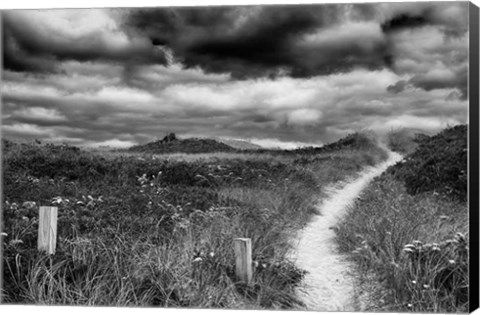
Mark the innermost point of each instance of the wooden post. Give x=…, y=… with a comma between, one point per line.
x=47, y=229
x=243, y=259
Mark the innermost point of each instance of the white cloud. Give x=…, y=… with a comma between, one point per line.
x=30, y=130
x=304, y=116
x=114, y=143
x=161, y=76
x=322, y=107
x=74, y=26
x=364, y=34
x=39, y=114
x=432, y=123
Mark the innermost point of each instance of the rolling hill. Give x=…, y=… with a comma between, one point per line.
x=172, y=144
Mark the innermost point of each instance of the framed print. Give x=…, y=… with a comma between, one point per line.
x=295, y=157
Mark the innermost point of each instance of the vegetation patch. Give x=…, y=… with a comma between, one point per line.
x=439, y=164
x=170, y=144
x=138, y=230
x=409, y=229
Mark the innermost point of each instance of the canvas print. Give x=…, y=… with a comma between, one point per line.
x=279, y=157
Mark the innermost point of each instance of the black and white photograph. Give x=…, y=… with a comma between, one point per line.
x=294, y=157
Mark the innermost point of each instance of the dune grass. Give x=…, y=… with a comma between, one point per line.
x=415, y=246
x=136, y=230
x=410, y=240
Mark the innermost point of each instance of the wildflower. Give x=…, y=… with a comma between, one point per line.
x=451, y=262
x=198, y=259
x=264, y=265
x=57, y=200
x=414, y=282
x=25, y=219
x=212, y=254
x=255, y=263
x=410, y=305
x=29, y=204
x=426, y=286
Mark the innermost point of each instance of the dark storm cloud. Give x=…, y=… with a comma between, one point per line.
x=16, y=59
x=30, y=48
x=403, y=21
x=259, y=41
x=250, y=41
x=449, y=16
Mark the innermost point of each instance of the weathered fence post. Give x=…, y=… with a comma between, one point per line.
x=243, y=259
x=47, y=229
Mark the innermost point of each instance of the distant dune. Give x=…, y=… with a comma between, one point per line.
x=172, y=144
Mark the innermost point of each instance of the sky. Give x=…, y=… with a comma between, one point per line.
x=278, y=75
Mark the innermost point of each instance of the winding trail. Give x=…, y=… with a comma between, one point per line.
x=328, y=286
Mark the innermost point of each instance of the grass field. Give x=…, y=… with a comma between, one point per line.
x=408, y=233
x=149, y=230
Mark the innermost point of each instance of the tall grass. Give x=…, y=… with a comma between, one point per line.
x=136, y=230
x=413, y=249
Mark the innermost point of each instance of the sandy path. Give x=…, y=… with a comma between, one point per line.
x=328, y=285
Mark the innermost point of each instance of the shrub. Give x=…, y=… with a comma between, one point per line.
x=439, y=164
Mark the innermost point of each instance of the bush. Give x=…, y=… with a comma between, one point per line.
x=439, y=164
